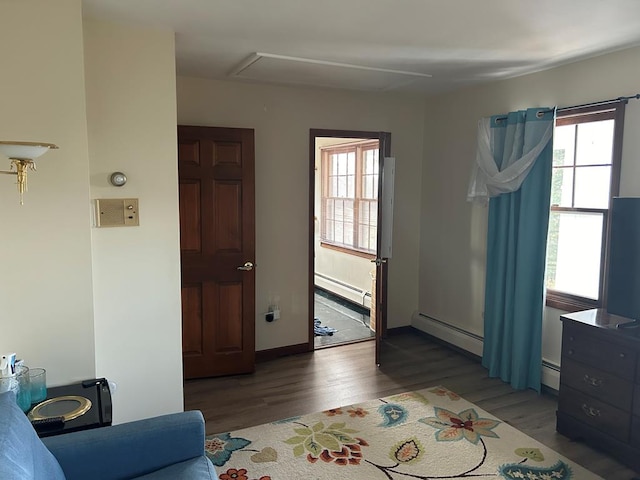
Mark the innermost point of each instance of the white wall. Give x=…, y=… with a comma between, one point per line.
x=46, y=305
x=131, y=110
x=453, y=233
x=282, y=118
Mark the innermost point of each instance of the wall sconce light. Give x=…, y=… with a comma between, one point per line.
x=22, y=155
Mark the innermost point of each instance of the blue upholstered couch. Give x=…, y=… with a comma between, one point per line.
x=166, y=447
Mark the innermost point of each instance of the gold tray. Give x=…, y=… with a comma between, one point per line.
x=84, y=404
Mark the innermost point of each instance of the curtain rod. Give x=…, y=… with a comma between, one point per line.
x=602, y=102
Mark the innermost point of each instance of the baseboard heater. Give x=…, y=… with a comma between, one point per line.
x=473, y=343
x=344, y=290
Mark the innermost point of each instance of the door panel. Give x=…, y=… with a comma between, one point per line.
x=190, y=217
x=192, y=320
x=229, y=337
x=217, y=235
x=228, y=216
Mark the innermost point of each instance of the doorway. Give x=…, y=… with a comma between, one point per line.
x=347, y=285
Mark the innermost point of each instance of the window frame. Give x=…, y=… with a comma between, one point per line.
x=359, y=147
x=576, y=116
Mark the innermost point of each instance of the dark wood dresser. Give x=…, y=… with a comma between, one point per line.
x=599, y=398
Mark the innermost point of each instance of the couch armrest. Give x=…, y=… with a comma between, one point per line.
x=129, y=449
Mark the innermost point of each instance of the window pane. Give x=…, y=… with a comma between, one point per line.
x=328, y=212
x=364, y=212
x=333, y=189
x=342, y=187
x=363, y=237
x=348, y=233
x=574, y=249
x=339, y=233
x=373, y=214
x=342, y=164
x=348, y=211
x=564, y=145
x=368, y=161
x=592, y=187
x=351, y=186
x=334, y=165
x=562, y=187
x=366, y=191
x=328, y=228
x=352, y=163
x=595, y=143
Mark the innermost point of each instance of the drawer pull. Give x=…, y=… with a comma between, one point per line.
x=593, y=381
x=570, y=352
x=571, y=338
x=590, y=411
x=622, y=355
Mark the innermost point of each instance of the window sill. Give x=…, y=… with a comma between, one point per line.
x=569, y=303
x=349, y=251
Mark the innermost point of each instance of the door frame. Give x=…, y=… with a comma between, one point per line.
x=381, y=271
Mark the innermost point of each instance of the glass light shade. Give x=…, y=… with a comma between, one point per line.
x=25, y=150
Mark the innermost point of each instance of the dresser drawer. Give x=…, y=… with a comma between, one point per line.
x=593, y=412
x=597, y=383
x=636, y=400
x=635, y=431
x=607, y=356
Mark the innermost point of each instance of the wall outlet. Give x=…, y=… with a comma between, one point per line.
x=272, y=314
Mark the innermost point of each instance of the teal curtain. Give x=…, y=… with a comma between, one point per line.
x=516, y=251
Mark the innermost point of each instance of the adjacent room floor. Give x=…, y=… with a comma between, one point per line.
x=351, y=322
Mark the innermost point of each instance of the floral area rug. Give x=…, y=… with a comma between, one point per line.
x=428, y=434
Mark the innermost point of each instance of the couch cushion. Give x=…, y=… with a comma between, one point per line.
x=22, y=455
x=194, y=469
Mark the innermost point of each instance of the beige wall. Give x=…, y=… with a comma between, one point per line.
x=46, y=307
x=282, y=118
x=453, y=233
x=78, y=301
x=131, y=110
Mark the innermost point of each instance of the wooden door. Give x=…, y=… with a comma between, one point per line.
x=217, y=246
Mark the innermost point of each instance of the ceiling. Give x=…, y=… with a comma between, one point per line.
x=426, y=46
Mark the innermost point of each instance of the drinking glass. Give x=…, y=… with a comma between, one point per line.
x=24, y=387
x=38, y=381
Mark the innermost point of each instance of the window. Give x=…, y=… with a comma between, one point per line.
x=350, y=196
x=587, y=149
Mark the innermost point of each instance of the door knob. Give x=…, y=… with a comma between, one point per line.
x=379, y=261
x=248, y=266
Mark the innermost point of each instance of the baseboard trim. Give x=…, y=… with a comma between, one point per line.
x=551, y=376
x=458, y=337
x=273, y=353
x=399, y=330
x=473, y=344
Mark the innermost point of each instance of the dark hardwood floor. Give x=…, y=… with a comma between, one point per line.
x=342, y=375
